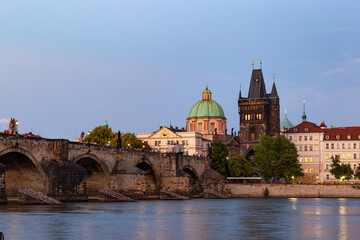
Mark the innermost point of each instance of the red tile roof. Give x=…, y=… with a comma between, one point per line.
x=323, y=125
x=305, y=127
x=342, y=133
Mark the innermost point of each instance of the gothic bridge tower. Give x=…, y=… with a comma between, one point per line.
x=259, y=112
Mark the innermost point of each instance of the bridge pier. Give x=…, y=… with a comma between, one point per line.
x=128, y=180
x=3, y=198
x=66, y=181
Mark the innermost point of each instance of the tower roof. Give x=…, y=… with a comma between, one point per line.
x=285, y=123
x=274, y=93
x=257, y=85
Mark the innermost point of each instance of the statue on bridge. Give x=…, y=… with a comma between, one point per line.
x=13, y=126
x=119, y=140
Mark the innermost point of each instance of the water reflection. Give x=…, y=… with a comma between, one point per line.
x=292, y=218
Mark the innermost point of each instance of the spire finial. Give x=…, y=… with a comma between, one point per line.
x=260, y=64
x=252, y=64
x=206, y=86
x=274, y=78
x=304, y=114
x=285, y=112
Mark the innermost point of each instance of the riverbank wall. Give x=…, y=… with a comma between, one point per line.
x=291, y=191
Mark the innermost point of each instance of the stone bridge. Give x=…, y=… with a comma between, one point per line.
x=75, y=171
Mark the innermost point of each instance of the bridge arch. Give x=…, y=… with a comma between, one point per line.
x=194, y=179
x=98, y=174
x=151, y=177
x=23, y=170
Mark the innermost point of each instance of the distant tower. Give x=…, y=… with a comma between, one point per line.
x=259, y=112
x=304, y=114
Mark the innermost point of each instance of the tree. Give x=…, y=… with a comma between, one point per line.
x=276, y=158
x=340, y=171
x=239, y=166
x=101, y=135
x=220, y=163
x=104, y=135
x=130, y=140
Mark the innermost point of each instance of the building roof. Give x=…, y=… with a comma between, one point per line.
x=342, y=133
x=305, y=127
x=206, y=108
x=285, y=123
x=323, y=125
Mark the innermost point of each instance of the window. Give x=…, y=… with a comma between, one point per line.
x=310, y=138
x=305, y=148
x=168, y=142
x=311, y=147
x=183, y=142
x=349, y=146
x=212, y=127
x=327, y=156
x=306, y=159
x=311, y=159
x=332, y=146
x=300, y=138
x=354, y=166
x=327, y=137
x=305, y=138
x=306, y=129
x=337, y=145
x=327, y=176
x=311, y=170
x=349, y=155
x=306, y=170
x=300, y=148
x=258, y=116
x=327, y=166
x=354, y=145
x=354, y=155
x=187, y=142
x=327, y=146
x=343, y=156
x=200, y=127
x=156, y=143
x=290, y=138
x=300, y=159
x=343, y=146
x=337, y=137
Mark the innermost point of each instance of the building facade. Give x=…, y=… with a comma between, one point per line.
x=259, y=113
x=176, y=140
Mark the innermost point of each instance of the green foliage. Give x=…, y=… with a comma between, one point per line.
x=239, y=166
x=104, y=135
x=101, y=135
x=219, y=158
x=130, y=140
x=266, y=192
x=340, y=171
x=276, y=158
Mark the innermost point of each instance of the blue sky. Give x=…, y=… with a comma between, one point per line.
x=66, y=66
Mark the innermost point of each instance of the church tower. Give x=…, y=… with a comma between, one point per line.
x=259, y=112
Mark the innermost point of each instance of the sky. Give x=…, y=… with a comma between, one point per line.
x=66, y=66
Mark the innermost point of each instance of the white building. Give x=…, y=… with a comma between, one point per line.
x=176, y=140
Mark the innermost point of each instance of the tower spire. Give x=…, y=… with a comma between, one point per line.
x=252, y=64
x=304, y=114
x=285, y=112
x=240, y=92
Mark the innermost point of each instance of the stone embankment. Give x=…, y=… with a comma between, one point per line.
x=292, y=190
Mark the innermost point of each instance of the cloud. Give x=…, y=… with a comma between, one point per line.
x=336, y=70
x=4, y=120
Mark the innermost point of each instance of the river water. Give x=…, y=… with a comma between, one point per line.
x=312, y=218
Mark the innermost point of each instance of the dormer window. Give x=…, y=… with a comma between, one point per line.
x=327, y=137
x=306, y=129
x=348, y=137
x=295, y=130
x=337, y=137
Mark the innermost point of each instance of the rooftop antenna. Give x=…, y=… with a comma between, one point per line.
x=253, y=64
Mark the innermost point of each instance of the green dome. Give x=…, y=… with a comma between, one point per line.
x=206, y=108
x=286, y=123
x=206, y=91
x=105, y=124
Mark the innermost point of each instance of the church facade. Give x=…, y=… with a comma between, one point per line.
x=259, y=113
